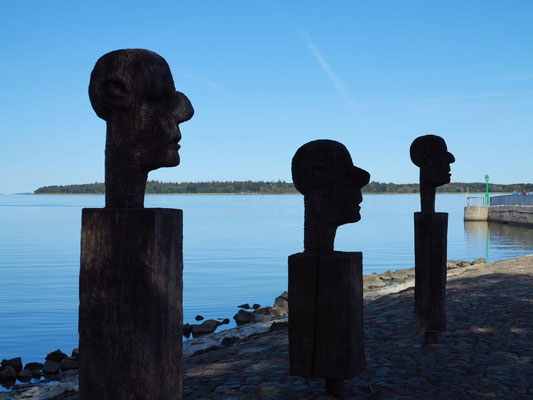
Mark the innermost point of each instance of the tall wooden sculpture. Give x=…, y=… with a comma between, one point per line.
x=325, y=286
x=431, y=229
x=130, y=316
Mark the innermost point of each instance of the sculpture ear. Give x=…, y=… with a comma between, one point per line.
x=116, y=93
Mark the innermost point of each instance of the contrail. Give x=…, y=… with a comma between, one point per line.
x=339, y=85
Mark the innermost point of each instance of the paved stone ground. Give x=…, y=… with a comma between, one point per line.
x=486, y=352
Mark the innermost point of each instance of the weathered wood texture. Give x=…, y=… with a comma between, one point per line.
x=130, y=317
x=326, y=315
x=431, y=230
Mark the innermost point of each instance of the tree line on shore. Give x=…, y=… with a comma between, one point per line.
x=279, y=187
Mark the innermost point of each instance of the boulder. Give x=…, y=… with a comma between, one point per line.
x=400, y=275
x=480, y=260
x=8, y=373
x=25, y=375
x=198, y=318
x=225, y=321
x=69, y=363
x=208, y=326
x=256, y=306
x=281, y=304
x=244, y=317
x=386, y=276
x=75, y=354
x=411, y=272
x=245, y=306
x=36, y=373
x=51, y=367
x=56, y=356
x=263, y=311
x=33, y=366
x=15, y=363
x=373, y=281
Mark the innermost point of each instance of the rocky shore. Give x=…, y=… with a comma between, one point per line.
x=485, y=352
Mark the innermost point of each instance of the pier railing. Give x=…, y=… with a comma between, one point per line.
x=476, y=201
x=511, y=200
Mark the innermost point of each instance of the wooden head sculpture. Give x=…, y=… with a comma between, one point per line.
x=430, y=153
x=323, y=171
x=133, y=91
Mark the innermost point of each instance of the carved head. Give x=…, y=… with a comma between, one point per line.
x=133, y=91
x=430, y=153
x=323, y=171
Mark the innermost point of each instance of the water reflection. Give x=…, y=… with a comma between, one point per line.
x=498, y=240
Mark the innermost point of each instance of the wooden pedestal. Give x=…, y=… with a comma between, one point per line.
x=130, y=317
x=326, y=315
x=431, y=230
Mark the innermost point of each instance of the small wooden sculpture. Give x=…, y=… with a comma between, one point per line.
x=325, y=286
x=430, y=153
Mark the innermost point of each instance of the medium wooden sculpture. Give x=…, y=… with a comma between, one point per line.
x=130, y=317
x=325, y=286
x=430, y=153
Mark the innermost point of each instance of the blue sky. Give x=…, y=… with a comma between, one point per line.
x=267, y=76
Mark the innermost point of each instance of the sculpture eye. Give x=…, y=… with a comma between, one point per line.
x=116, y=90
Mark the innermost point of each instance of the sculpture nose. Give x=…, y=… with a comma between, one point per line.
x=184, y=110
x=361, y=176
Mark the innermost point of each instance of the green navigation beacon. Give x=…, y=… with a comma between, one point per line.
x=487, y=190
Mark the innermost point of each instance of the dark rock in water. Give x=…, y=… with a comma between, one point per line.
x=225, y=321
x=187, y=330
x=75, y=354
x=51, y=367
x=198, y=318
x=276, y=326
x=69, y=363
x=244, y=306
x=8, y=373
x=56, y=356
x=36, y=373
x=25, y=375
x=16, y=363
x=208, y=326
x=282, y=303
x=244, y=317
x=256, y=306
x=228, y=341
x=33, y=366
x=480, y=260
x=8, y=383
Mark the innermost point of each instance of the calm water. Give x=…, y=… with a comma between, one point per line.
x=235, y=251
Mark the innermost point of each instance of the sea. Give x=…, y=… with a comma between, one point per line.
x=235, y=251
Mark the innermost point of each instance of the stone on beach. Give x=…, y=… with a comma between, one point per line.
x=15, y=363
x=69, y=363
x=373, y=281
x=33, y=366
x=208, y=326
x=281, y=303
x=25, y=375
x=8, y=373
x=244, y=317
x=245, y=306
x=51, y=367
x=56, y=356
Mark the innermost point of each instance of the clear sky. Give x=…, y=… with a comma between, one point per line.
x=267, y=76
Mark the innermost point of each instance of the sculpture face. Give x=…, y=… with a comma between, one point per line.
x=133, y=91
x=430, y=153
x=323, y=172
